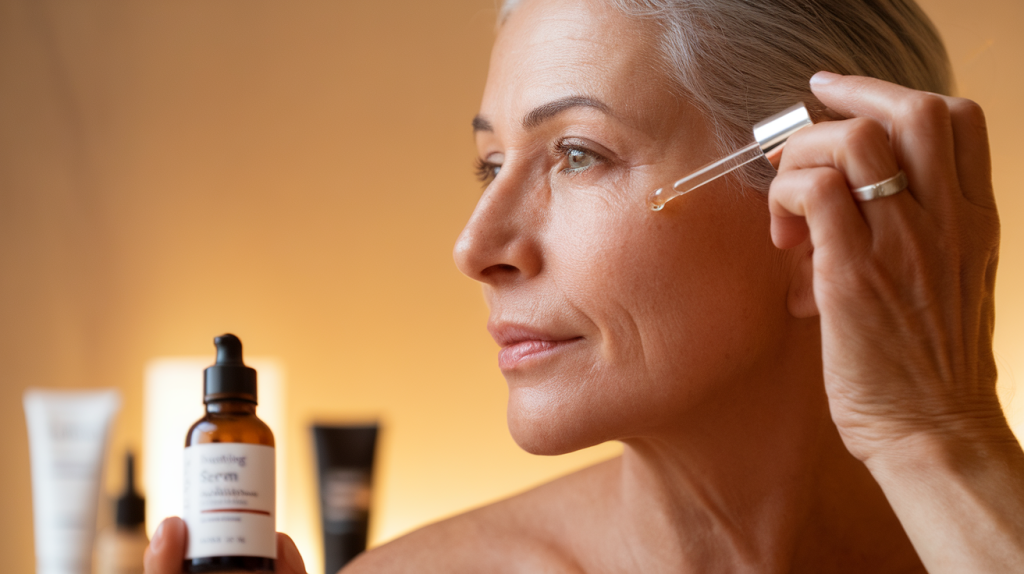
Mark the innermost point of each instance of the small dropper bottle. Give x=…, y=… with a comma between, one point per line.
x=119, y=550
x=229, y=473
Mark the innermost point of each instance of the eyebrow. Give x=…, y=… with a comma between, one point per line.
x=544, y=112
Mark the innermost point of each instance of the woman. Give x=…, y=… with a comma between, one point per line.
x=801, y=381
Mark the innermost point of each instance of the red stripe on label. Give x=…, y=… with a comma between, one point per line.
x=263, y=512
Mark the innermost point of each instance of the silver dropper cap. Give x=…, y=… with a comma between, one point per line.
x=773, y=132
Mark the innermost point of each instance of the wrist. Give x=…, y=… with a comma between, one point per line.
x=959, y=444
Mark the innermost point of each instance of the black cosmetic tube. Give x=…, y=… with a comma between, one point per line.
x=344, y=456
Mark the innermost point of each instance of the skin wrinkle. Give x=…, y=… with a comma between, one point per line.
x=609, y=346
x=635, y=552
x=598, y=72
x=688, y=487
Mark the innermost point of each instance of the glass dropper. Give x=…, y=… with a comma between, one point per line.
x=770, y=134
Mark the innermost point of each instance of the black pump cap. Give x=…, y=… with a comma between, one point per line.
x=131, y=508
x=229, y=378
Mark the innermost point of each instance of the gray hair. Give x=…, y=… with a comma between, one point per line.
x=740, y=61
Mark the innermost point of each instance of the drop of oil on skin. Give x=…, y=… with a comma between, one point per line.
x=655, y=200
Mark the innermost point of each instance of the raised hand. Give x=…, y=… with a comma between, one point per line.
x=904, y=288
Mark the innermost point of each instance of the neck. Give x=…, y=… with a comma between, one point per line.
x=231, y=407
x=763, y=480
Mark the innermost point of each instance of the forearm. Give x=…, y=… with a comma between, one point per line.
x=959, y=498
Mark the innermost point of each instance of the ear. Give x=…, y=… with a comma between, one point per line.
x=800, y=299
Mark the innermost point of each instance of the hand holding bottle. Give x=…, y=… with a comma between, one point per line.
x=166, y=551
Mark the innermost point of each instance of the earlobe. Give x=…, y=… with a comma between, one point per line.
x=800, y=299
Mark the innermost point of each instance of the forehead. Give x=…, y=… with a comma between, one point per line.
x=548, y=49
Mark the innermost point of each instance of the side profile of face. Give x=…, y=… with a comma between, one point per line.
x=614, y=321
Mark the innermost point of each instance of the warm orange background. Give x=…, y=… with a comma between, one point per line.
x=296, y=173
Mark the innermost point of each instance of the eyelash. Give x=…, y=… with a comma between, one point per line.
x=485, y=171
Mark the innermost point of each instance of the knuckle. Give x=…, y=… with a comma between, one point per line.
x=969, y=113
x=824, y=185
x=863, y=136
x=796, y=145
x=810, y=187
x=925, y=108
x=781, y=181
x=832, y=179
x=982, y=229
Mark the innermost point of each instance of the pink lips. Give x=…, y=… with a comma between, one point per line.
x=519, y=343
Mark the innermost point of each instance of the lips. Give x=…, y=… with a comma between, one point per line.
x=521, y=344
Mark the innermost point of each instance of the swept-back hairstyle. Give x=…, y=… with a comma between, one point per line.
x=740, y=61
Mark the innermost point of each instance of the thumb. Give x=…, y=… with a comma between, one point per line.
x=289, y=561
x=167, y=549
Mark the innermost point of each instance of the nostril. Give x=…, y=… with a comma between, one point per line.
x=499, y=269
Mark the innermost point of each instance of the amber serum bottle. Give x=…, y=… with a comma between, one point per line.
x=229, y=473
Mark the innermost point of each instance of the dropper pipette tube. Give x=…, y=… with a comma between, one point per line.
x=706, y=174
x=769, y=135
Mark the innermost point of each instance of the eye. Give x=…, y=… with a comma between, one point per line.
x=577, y=157
x=486, y=171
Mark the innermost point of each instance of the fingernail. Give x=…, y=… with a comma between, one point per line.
x=823, y=78
x=158, y=537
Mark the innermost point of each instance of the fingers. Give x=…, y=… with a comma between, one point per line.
x=857, y=153
x=973, y=162
x=289, y=561
x=820, y=196
x=858, y=147
x=919, y=126
x=166, y=551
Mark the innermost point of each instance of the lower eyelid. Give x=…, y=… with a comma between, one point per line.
x=571, y=171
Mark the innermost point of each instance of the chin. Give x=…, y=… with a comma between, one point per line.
x=544, y=425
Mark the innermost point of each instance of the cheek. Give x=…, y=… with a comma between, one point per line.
x=678, y=307
x=691, y=293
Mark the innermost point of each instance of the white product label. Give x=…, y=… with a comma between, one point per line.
x=229, y=500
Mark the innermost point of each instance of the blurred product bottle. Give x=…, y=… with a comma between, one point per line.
x=345, y=457
x=119, y=549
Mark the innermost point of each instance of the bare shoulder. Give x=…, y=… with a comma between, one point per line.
x=484, y=540
x=537, y=531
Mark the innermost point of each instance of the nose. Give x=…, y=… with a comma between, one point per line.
x=500, y=243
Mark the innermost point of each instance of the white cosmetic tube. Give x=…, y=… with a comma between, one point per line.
x=67, y=435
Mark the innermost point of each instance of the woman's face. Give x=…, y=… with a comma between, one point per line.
x=614, y=320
